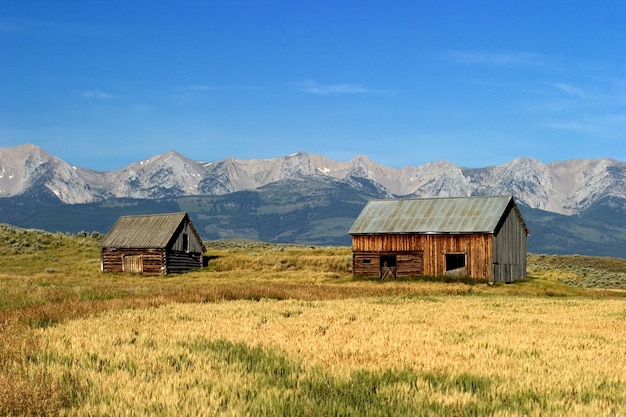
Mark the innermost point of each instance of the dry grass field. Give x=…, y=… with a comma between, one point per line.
x=285, y=330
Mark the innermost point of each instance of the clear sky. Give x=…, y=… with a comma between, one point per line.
x=106, y=83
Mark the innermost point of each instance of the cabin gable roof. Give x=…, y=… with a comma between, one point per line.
x=454, y=215
x=154, y=231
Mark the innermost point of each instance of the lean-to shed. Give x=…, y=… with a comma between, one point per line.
x=152, y=244
x=479, y=237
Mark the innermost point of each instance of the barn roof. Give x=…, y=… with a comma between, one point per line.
x=147, y=231
x=434, y=215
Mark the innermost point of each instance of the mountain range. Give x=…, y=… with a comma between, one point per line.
x=575, y=206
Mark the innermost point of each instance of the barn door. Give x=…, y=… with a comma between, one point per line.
x=388, y=267
x=132, y=264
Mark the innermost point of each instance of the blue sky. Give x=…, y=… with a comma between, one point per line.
x=106, y=83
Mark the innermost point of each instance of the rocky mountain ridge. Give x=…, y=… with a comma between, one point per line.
x=565, y=187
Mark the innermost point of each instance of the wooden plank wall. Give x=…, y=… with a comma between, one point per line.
x=132, y=264
x=477, y=247
x=367, y=264
x=195, y=245
x=153, y=259
x=410, y=264
x=509, y=250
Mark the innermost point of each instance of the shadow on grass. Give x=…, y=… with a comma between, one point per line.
x=277, y=385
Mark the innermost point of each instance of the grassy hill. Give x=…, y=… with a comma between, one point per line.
x=598, y=231
x=66, y=266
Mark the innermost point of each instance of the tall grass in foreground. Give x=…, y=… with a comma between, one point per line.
x=434, y=355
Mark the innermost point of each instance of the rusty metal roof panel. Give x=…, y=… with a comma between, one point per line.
x=149, y=231
x=431, y=215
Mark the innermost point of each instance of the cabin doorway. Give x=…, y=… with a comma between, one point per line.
x=388, y=267
x=132, y=264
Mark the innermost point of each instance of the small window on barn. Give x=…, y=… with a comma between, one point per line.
x=366, y=261
x=185, y=242
x=455, y=261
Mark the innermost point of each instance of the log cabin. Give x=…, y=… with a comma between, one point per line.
x=157, y=244
x=478, y=237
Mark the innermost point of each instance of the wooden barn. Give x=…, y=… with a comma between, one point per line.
x=478, y=237
x=152, y=244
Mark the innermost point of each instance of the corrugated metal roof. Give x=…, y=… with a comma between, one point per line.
x=431, y=215
x=149, y=231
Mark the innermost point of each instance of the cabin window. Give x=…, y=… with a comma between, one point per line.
x=366, y=261
x=185, y=242
x=455, y=261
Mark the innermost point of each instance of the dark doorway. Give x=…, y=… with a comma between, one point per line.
x=387, y=266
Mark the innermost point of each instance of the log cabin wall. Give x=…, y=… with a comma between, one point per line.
x=366, y=264
x=152, y=260
x=179, y=262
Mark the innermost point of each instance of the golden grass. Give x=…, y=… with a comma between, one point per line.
x=568, y=353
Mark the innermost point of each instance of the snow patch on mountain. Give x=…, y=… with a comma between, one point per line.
x=565, y=187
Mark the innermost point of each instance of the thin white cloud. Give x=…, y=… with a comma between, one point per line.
x=96, y=95
x=570, y=89
x=38, y=26
x=200, y=88
x=313, y=87
x=204, y=88
x=575, y=126
x=608, y=127
x=194, y=92
x=495, y=59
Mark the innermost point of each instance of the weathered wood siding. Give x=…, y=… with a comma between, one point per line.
x=195, y=245
x=410, y=264
x=367, y=264
x=153, y=260
x=179, y=262
x=477, y=247
x=509, y=249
